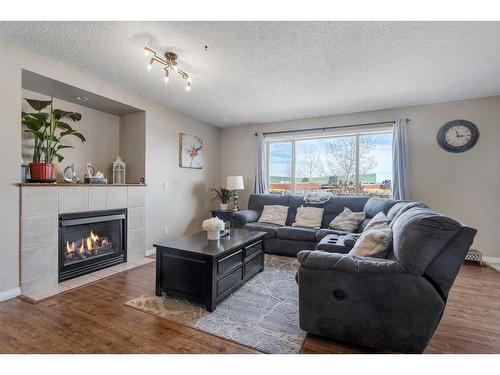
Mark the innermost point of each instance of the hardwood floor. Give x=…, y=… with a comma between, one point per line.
x=94, y=319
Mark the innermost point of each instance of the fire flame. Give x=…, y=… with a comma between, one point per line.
x=70, y=248
x=92, y=242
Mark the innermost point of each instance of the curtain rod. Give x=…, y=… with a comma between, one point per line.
x=332, y=127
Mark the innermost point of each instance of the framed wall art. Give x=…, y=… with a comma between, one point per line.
x=190, y=151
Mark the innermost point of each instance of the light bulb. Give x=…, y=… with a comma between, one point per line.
x=188, y=86
x=150, y=65
x=146, y=51
x=175, y=67
x=166, y=76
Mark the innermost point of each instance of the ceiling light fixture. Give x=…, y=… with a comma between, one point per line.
x=81, y=98
x=170, y=62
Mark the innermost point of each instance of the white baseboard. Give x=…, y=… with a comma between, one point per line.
x=150, y=252
x=493, y=260
x=8, y=294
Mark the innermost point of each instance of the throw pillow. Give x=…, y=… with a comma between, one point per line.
x=347, y=220
x=308, y=217
x=377, y=220
x=373, y=242
x=274, y=215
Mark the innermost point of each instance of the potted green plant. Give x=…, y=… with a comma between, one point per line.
x=48, y=130
x=223, y=196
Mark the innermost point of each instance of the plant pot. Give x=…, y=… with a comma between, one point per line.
x=223, y=206
x=42, y=172
x=213, y=235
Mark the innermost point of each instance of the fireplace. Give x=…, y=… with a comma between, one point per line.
x=90, y=241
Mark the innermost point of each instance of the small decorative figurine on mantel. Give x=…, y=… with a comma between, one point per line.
x=69, y=174
x=119, y=171
x=91, y=177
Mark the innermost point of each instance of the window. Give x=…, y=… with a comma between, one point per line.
x=353, y=164
x=280, y=167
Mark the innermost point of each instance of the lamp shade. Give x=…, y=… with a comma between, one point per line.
x=234, y=183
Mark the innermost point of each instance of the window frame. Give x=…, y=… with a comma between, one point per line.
x=293, y=139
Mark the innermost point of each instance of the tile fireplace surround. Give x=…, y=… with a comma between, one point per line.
x=40, y=209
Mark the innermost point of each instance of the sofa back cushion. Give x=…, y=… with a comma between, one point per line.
x=395, y=209
x=375, y=205
x=294, y=202
x=257, y=202
x=419, y=235
x=394, y=214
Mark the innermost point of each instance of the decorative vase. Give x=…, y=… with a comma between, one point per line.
x=42, y=172
x=223, y=206
x=213, y=235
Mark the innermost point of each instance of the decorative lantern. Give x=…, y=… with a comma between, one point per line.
x=119, y=171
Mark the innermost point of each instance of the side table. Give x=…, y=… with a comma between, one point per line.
x=224, y=215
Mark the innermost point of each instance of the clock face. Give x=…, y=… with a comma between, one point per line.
x=458, y=136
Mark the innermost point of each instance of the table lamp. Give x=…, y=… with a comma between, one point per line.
x=235, y=183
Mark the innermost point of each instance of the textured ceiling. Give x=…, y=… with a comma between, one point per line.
x=256, y=72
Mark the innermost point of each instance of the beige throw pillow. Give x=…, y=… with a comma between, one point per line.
x=274, y=215
x=373, y=241
x=308, y=217
x=347, y=220
x=377, y=220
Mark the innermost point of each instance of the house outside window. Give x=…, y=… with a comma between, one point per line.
x=349, y=163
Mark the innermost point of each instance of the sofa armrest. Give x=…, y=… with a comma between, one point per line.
x=244, y=216
x=348, y=263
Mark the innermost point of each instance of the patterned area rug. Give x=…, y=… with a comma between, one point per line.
x=262, y=314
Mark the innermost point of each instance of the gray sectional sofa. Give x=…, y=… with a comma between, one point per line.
x=288, y=240
x=393, y=303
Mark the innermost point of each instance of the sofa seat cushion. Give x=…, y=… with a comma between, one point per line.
x=270, y=229
x=419, y=235
x=297, y=233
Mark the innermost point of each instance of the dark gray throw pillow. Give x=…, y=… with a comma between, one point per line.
x=419, y=235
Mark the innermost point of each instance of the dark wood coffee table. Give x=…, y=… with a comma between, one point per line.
x=206, y=271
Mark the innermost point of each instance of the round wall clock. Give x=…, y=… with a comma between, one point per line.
x=458, y=136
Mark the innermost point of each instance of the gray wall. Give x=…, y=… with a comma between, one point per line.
x=464, y=186
x=181, y=208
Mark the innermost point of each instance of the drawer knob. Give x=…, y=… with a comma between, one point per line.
x=338, y=295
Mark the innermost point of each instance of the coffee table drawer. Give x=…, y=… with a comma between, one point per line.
x=226, y=283
x=253, y=264
x=226, y=263
x=250, y=249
